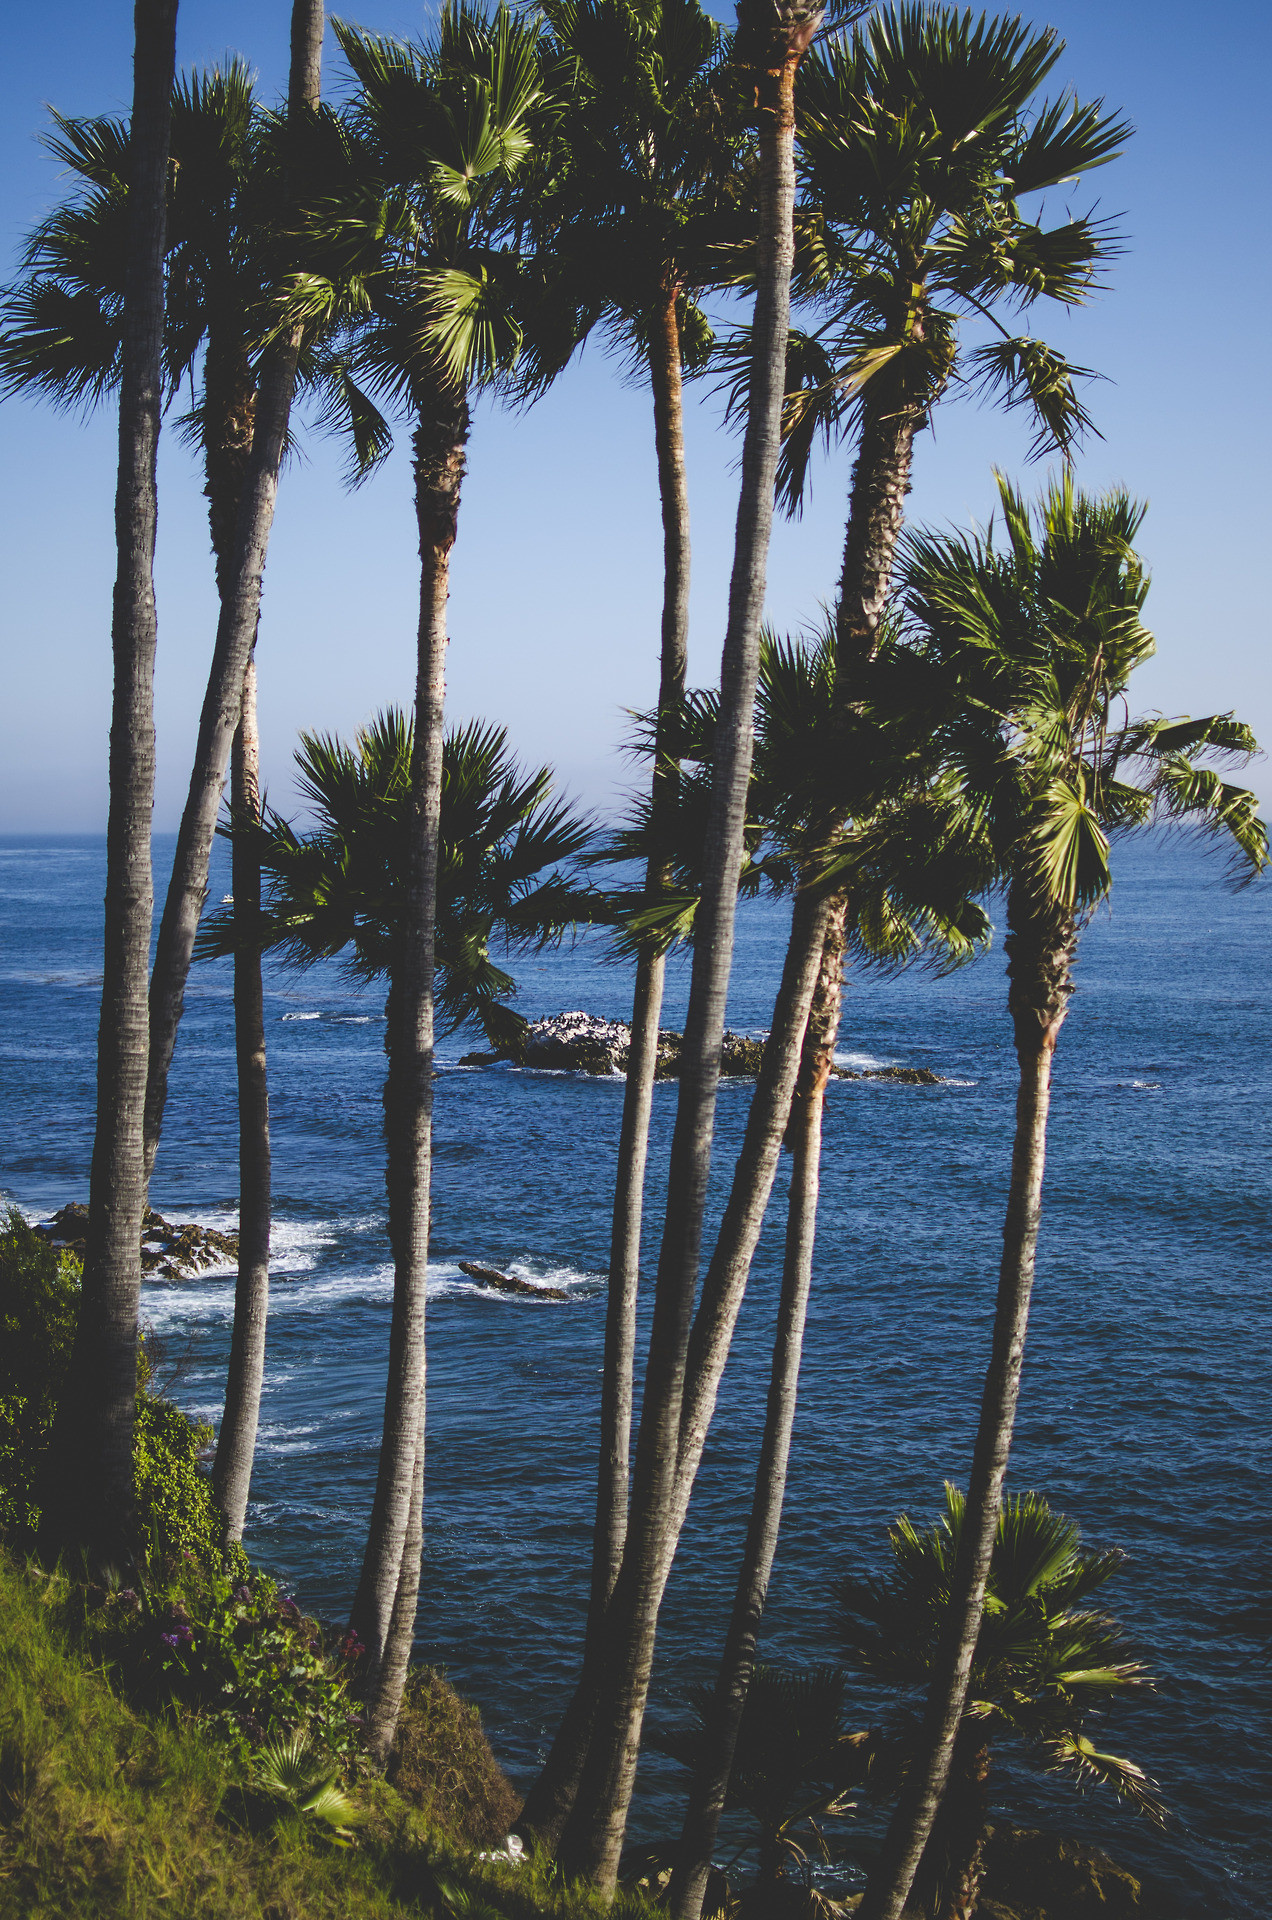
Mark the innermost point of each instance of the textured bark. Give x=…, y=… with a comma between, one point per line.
x=235, y=639
x=950, y=1873
x=550, y=1799
x=710, y=1785
x=722, y=1292
x=229, y=405
x=91, y=1499
x=1041, y=943
x=236, y=1440
x=624, y=1273
x=440, y=437
x=595, y=1837
x=395, y=1666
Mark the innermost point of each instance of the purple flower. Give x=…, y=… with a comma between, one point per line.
x=171, y=1639
x=242, y=1595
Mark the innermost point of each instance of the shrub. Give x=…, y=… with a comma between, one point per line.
x=443, y=1763
x=235, y=1651
x=39, y=1313
x=39, y=1308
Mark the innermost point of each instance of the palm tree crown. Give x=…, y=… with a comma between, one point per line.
x=1040, y=629
x=505, y=865
x=919, y=138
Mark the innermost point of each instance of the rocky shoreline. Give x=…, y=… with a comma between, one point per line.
x=579, y=1042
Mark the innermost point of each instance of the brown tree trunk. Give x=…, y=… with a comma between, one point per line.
x=91, y=1496
x=711, y=1782
x=441, y=435
x=1041, y=943
x=949, y=1875
x=235, y=639
x=236, y=1440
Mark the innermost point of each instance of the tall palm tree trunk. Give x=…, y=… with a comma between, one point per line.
x=441, y=435
x=642, y=1062
x=235, y=639
x=554, y=1792
x=236, y=1440
x=387, y=1702
x=551, y=1800
x=1041, y=944
x=91, y=1499
x=880, y=482
x=710, y=1786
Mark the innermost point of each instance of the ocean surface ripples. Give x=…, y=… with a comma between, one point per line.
x=1145, y=1405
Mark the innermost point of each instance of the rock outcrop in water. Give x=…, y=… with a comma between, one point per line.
x=580, y=1042
x=168, y=1251
x=583, y=1043
x=509, y=1282
x=899, y=1076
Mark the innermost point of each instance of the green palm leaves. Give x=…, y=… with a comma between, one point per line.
x=634, y=199
x=289, y=1772
x=1040, y=628
x=412, y=251
x=506, y=865
x=1045, y=1662
x=918, y=139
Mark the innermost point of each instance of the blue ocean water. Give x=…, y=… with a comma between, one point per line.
x=1145, y=1405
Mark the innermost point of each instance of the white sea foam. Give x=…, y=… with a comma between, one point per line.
x=302, y=1016
x=862, y=1062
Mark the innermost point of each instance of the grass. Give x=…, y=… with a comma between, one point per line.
x=109, y=1813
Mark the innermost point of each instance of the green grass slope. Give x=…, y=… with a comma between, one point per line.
x=108, y=1813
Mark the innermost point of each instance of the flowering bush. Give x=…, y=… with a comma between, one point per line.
x=239, y=1653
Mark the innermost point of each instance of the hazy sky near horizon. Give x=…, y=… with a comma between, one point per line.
x=556, y=575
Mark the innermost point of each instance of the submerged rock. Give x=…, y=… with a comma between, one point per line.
x=509, y=1282
x=168, y=1251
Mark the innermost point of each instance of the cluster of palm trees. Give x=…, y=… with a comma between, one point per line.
x=866, y=192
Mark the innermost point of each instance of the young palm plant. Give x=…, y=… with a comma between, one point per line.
x=1045, y=1664
x=628, y=207
x=411, y=251
x=1039, y=633
x=504, y=856
x=795, y=1766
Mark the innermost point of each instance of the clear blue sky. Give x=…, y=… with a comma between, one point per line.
x=554, y=611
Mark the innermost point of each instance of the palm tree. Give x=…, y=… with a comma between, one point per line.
x=91, y=1490
x=1040, y=636
x=224, y=257
x=770, y=43
x=240, y=582
x=1044, y=1664
x=919, y=137
x=891, y=891
x=506, y=867
x=342, y=889
x=414, y=255
x=629, y=206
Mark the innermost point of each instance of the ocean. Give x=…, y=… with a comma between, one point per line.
x=1144, y=1412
